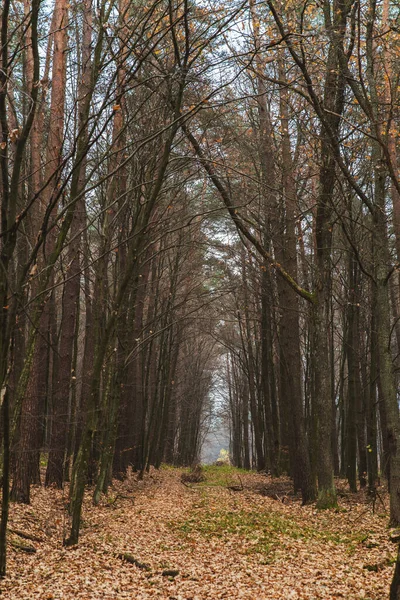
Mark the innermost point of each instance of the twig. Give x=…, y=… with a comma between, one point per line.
x=25, y=536
x=18, y=546
x=133, y=561
x=237, y=488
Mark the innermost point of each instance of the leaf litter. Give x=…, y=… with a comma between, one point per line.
x=159, y=538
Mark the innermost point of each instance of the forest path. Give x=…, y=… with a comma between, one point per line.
x=224, y=544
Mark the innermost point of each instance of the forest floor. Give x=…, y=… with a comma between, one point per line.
x=160, y=538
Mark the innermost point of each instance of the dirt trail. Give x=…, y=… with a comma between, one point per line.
x=200, y=542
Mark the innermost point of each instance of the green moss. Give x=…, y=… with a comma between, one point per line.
x=327, y=498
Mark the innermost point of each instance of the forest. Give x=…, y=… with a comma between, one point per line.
x=200, y=231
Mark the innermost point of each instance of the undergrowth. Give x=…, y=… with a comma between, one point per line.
x=259, y=532
x=255, y=531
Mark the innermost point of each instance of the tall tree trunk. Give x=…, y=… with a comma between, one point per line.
x=352, y=366
x=371, y=403
x=26, y=451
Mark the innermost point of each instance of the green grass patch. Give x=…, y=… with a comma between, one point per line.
x=256, y=532
x=243, y=523
x=215, y=475
x=221, y=476
x=167, y=467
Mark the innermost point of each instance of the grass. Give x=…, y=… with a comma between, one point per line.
x=258, y=532
x=221, y=476
x=167, y=467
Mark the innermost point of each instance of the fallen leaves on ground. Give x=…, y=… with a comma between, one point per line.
x=161, y=539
